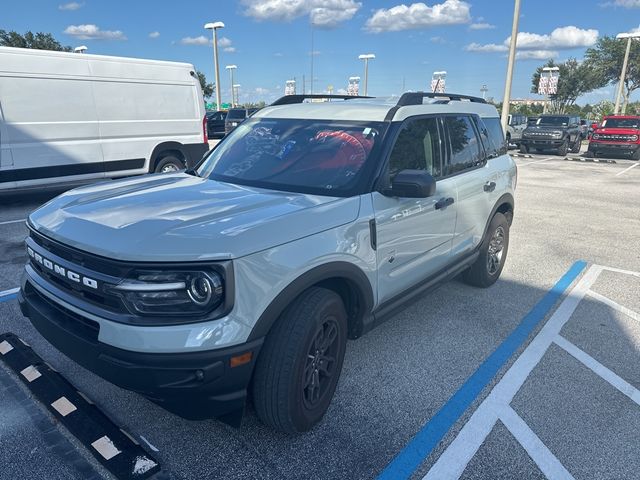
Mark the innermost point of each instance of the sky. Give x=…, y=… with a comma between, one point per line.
x=272, y=41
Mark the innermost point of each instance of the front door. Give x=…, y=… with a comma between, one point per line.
x=413, y=236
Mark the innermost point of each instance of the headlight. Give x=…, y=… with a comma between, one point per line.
x=557, y=134
x=175, y=293
x=595, y=136
x=633, y=138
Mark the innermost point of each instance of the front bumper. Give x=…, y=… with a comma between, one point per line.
x=194, y=385
x=613, y=148
x=542, y=143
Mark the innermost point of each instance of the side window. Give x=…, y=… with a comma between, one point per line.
x=465, y=147
x=492, y=137
x=417, y=148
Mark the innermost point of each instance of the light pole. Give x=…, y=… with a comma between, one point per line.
x=366, y=57
x=484, y=91
x=512, y=58
x=231, y=68
x=80, y=49
x=236, y=91
x=623, y=73
x=215, y=26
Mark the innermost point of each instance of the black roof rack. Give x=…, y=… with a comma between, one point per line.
x=291, y=99
x=416, y=98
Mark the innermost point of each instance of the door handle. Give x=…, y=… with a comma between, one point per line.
x=489, y=186
x=444, y=203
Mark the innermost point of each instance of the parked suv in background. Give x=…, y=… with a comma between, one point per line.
x=307, y=225
x=553, y=132
x=215, y=123
x=618, y=135
x=235, y=116
x=515, y=127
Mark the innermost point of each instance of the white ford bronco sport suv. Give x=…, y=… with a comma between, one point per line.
x=245, y=276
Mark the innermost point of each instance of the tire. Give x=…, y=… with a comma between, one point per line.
x=508, y=138
x=636, y=154
x=564, y=149
x=169, y=164
x=280, y=396
x=577, y=145
x=524, y=148
x=589, y=154
x=487, y=268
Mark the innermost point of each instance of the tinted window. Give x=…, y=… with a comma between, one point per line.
x=417, y=148
x=465, y=148
x=236, y=114
x=493, y=137
x=621, y=123
x=554, y=121
x=308, y=156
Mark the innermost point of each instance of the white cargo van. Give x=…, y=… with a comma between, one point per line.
x=69, y=117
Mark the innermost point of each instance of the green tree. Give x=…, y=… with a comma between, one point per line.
x=607, y=58
x=600, y=109
x=40, y=41
x=207, y=88
x=575, y=79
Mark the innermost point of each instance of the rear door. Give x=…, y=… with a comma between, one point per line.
x=467, y=166
x=413, y=236
x=6, y=160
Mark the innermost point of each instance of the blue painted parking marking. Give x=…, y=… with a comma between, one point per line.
x=428, y=437
x=8, y=295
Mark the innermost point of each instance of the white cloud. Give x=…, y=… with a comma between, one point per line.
x=625, y=3
x=230, y=49
x=536, y=46
x=486, y=48
x=262, y=91
x=278, y=54
x=224, y=42
x=536, y=54
x=481, y=26
x=154, y=34
x=437, y=39
x=419, y=15
x=323, y=13
x=70, y=6
x=93, y=32
x=201, y=40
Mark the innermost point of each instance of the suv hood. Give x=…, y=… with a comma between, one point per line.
x=617, y=131
x=179, y=217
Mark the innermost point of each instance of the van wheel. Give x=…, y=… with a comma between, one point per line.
x=169, y=164
x=299, y=366
x=493, y=254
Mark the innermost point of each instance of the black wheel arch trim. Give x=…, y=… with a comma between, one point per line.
x=506, y=199
x=338, y=270
x=191, y=152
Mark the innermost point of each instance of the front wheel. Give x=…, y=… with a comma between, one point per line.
x=524, y=148
x=577, y=145
x=564, y=149
x=636, y=154
x=300, y=363
x=493, y=254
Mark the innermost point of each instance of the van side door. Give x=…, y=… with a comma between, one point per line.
x=414, y=234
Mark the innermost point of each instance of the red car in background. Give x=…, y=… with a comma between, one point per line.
x=617, y=135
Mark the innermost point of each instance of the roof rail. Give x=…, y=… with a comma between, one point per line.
x=416, y=98
x=291, y=99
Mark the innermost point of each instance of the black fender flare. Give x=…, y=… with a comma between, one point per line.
x=163, y=147
x=506, y=199
x=337, y=270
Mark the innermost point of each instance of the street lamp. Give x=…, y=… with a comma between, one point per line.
x=512, y=58
x=231, y=68
x=366, y=57
x=236, y=90
x=80, y=49
x=629, y=37
x=215, y=26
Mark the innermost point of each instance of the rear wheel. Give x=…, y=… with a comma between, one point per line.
x=493, y=254
x=300, y=363
x=169, y=164
x=577, y=145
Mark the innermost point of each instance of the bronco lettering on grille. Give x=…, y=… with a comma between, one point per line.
x=62, y=271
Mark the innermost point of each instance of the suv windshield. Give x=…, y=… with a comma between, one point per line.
x=307, y=156
x=237, y=114
x=555, y=121
x=621, y=123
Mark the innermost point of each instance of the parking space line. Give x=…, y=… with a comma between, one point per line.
x=7, y=222
x=455, y=458
x=538, y=451
x=599, y=369
x=616, y=306
x=10, y=294
x=619, y=270
x=537, y=161
x=430, y=435
x=627, y=169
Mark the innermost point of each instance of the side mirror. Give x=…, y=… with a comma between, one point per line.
x=412, y=184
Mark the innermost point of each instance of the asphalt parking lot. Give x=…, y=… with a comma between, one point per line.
x=535, y=377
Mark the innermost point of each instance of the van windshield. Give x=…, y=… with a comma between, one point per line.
x=306, y=156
